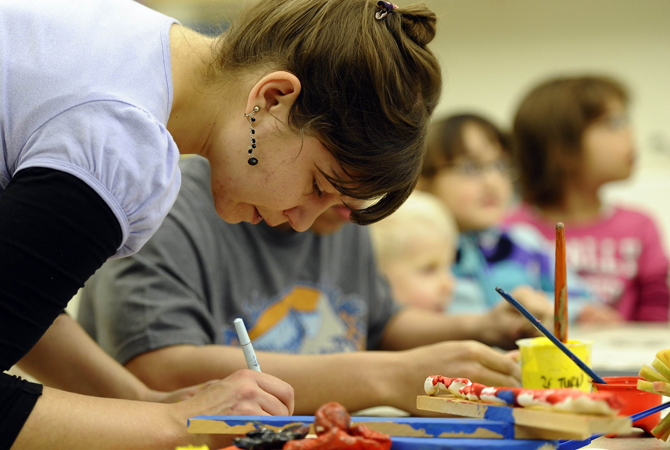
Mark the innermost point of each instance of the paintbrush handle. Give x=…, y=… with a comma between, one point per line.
x=537, y=324
x=648, y=412
x=573, y=444
x=560, y=287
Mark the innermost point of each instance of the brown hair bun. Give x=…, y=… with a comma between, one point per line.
x=419, y=23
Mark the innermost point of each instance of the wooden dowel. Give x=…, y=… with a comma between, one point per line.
x=560, y=288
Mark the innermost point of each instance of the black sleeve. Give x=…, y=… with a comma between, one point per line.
x=17, y=400
x=55, y=232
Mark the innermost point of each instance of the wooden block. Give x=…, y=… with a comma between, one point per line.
x=651, y=374
x=530, y=422
x=655, y=387
x=407, y=443
x=420, y=427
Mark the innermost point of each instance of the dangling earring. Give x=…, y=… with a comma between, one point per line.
x=250, y=117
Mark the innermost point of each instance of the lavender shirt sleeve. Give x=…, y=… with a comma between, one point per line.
x=123, y=153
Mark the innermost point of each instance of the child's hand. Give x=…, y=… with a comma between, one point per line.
x=514, y=355
x=503, y=324
x=455, y=359
x=537, y=303
x=599, y=314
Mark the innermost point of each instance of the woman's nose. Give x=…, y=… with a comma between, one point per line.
x=302, y=217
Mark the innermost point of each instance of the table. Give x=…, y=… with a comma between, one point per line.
x=636, y=441
x=622, y=350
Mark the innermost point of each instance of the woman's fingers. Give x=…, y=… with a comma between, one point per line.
x=245, y=392
x=281, y=401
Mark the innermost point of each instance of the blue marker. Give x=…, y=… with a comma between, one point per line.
x=245, y=343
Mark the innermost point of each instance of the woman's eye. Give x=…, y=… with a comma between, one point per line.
x=316, y=189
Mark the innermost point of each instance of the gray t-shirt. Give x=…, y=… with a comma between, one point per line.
x=86, y=89
x=296, y=292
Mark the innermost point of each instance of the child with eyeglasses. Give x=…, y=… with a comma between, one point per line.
x=573, y=136
x=468, y=167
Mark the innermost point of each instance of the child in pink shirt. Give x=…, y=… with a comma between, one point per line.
x=573, y=136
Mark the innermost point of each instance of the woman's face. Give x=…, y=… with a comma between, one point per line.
x=285, y=186
x=477, y=186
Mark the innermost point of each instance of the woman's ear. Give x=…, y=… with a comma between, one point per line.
x=275, y=93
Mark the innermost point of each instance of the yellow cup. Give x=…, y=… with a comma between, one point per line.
x=545, y=366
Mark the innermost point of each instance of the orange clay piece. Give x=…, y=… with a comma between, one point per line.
x=331, y=415
x=333, y=427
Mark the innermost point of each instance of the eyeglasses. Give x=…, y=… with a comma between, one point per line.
x=472, y=169
x=618, y=122
x=615, y=122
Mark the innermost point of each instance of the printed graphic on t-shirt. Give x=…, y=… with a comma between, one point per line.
x=605, y=264
x=307, y=320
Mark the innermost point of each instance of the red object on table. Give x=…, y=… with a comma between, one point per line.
x=634, y=400
x=332, y=424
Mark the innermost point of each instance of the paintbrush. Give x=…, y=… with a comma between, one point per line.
x=574, y=445
x=560, y=288
x=542, y=329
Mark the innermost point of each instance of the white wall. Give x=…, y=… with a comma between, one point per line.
x=493, y=51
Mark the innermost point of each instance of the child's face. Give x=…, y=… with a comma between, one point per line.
x=476, y=187
x=422, y=277
x=608, y=148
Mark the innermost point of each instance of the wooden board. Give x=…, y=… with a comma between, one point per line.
x=423, y=427
x=408, y=443
x=408, y=433
x=529, y=423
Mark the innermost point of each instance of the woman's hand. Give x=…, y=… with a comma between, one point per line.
x=62, y=420
x=245, y=392
x=175, y=396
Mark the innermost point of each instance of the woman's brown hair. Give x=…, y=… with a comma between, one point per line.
x=548, y=130
x=445, y=140
x=368, y=85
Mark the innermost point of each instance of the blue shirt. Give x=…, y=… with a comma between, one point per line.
x=509, y=258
